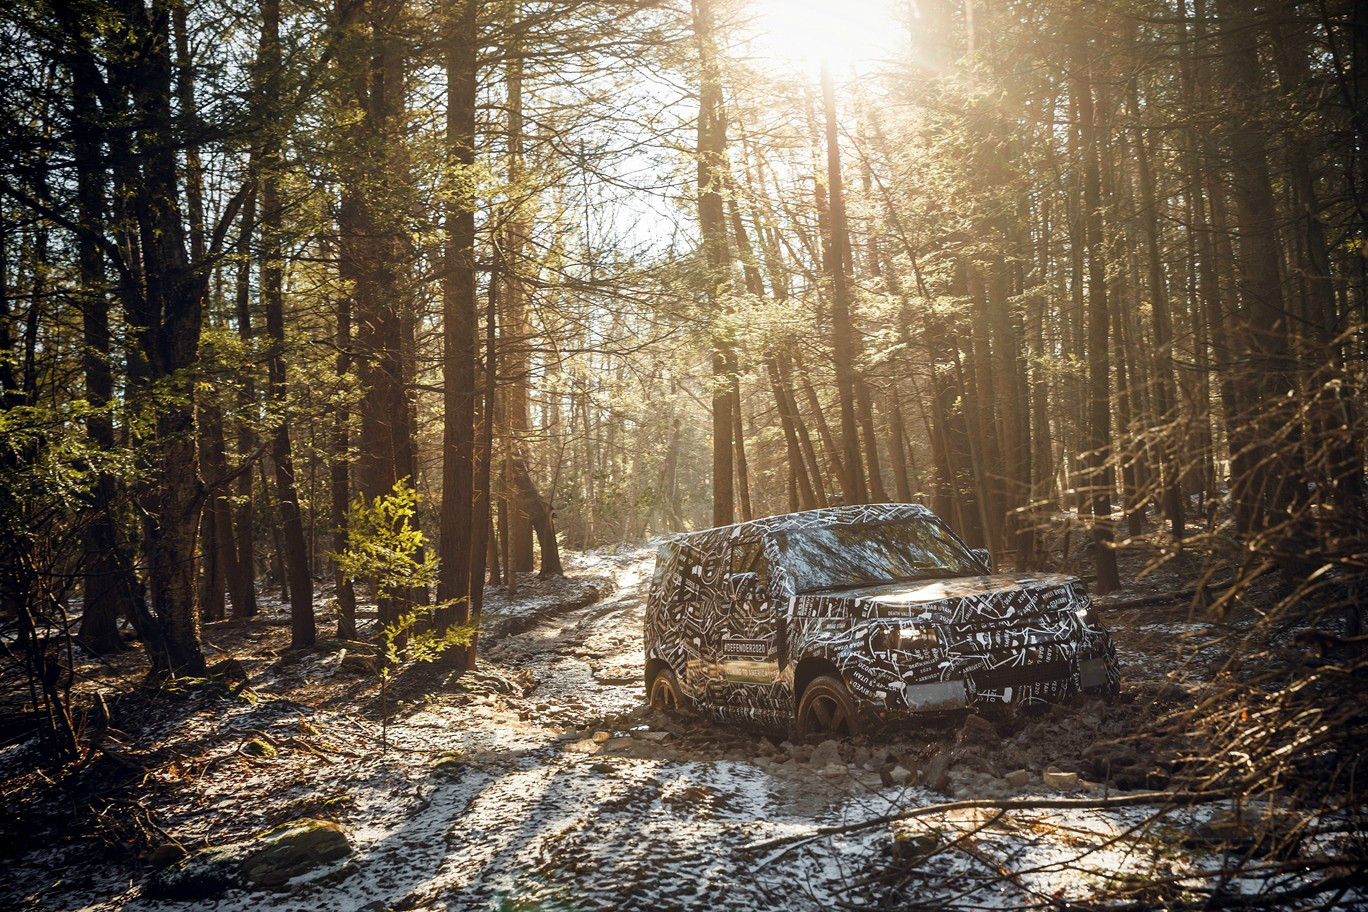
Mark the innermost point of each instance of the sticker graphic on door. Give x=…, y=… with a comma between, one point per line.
x=747, y=661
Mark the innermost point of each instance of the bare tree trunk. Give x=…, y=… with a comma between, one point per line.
x=516, y=331
x=339, y=473
x=460, y=331
x=819, y=488
x=245, y=514
x=843, y=330
x=166, y=321
x=805, y=497
x=211, y=575
x=1258, y=269
x=1099, y=401
x=830, y=448
x=107, y=589
x=742, y=471
x=484, y=461
x=981, y=402
x=1334, y=418
x=404, y=423
x=712, y=178
x=1163, y=333
x=897, y=448
x=303, y=631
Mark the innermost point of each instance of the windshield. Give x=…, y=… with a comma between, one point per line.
x=842, y=556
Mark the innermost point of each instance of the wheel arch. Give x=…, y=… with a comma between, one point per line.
x=654, y=666
x=809, y=669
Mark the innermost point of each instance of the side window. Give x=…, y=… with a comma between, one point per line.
x=665, y=556
x=690, y=570
x=749, y=557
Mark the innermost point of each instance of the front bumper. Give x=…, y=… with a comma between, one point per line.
x=1009, y=685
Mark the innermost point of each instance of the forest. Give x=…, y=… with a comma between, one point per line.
x=357, y=357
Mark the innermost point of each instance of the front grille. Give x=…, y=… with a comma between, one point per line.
x=994, y=678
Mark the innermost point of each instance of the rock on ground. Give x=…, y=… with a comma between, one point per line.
x=270, y=860
x=828, y=753
x=293, y=849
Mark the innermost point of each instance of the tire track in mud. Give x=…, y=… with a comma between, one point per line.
x=616, y=808
x=591, y=654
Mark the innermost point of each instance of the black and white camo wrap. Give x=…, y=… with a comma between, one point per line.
x=901, y=648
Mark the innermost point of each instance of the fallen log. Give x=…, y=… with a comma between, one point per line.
x=1010, y=804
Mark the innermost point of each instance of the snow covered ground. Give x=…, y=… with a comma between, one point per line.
x=544, y=783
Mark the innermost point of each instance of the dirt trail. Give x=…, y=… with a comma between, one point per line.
x=544, y=783
x=572, y=795
x=649, y=817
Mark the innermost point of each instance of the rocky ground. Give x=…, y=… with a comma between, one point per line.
x=542, y=782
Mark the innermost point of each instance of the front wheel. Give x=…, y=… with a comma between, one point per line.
x=828, y=709
x=665, y=695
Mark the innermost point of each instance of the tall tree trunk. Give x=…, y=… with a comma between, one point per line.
x=806, y=472
x=516, y=330
x=819, y=487
x=404, y=421
x=107, y=589
x=213, y=607
x=1166, y=399
x=754, y=286
x=165, y=321
x=742, y=470
x=981, y=402
x=1129, y=448
x=1258, y=267
x=1099, y=401
x=460, y=329
x=843, y=330
x=1013, y=410
x=216, y=472
x=712, y=179
x=303, y=631
x=804, y=496
x=484, y=463
x=897, y=435
x=339, y=473
x=211, y=592
x=1336, y=427
x=244, y=519
x=372, y=223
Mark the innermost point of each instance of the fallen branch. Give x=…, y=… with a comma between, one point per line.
x=1014, y=804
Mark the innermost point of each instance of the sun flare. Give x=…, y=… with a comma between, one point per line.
x=846, y=33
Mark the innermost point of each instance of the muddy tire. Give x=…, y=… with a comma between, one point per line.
x=828, y=710
x=665, y=695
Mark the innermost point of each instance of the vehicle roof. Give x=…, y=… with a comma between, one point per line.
x=807, y=519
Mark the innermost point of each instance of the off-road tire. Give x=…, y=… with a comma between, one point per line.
x=665, y=695
x=827, y=709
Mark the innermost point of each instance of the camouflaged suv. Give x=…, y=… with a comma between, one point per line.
x=827, y=621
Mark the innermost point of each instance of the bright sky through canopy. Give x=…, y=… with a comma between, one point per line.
x=849, y=33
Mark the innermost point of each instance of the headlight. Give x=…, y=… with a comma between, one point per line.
x=1086, y=615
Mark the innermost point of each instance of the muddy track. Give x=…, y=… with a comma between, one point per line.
x=604, y=804
x=544, y=782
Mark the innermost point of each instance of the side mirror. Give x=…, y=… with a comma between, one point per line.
x=983, y=557
x=744, y=587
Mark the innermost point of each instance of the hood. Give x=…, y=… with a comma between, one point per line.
x=993, y=597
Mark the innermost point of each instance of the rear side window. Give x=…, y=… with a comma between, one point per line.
x=690, y=586
x=749, y=557
x=665, y=555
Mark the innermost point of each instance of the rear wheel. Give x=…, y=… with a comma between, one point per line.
x=665, y=694
x=827, y=708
